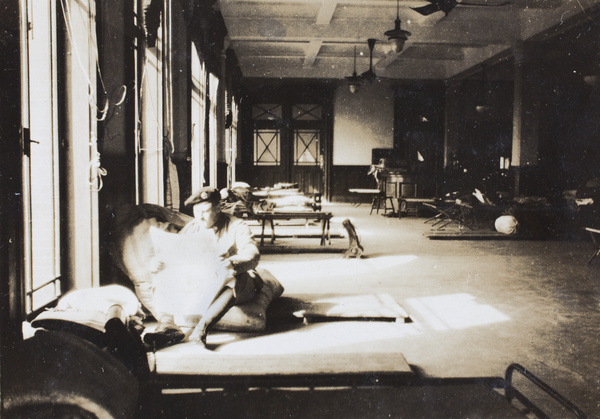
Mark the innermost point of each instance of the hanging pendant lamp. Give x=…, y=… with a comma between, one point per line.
x=397, y=36
x=370, y=75
x=482, y=106
x=354, y=79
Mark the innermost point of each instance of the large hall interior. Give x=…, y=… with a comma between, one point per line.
x=420, y=179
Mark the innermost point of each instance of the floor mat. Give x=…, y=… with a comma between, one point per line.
x=312, y=335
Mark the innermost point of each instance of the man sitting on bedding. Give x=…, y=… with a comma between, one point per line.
x=240, y=252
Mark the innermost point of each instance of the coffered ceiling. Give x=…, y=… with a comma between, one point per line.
x=316, y=38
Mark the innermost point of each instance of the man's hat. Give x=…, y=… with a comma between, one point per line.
x=206, y=194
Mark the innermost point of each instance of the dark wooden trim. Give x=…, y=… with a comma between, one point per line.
x=11, y=190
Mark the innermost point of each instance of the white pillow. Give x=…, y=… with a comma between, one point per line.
x=506, y=224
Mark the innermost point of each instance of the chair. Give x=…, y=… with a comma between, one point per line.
x=381, y=200
x=593, y=232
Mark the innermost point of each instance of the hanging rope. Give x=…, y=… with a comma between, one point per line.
x=120, y=101
x=96, y=169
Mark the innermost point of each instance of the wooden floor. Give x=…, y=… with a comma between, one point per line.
x=476, y=306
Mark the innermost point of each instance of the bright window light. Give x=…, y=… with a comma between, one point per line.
x=334, y=267
x=454, y=311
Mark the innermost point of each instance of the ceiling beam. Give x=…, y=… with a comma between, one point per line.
x=353, y=31
x=390, y=57
x=292, y=60
x=326, y=12
x=311, y=52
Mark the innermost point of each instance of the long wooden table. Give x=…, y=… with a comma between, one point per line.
x=271, y=216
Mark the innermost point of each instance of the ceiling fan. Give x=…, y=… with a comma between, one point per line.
x=447, y=5
x=370, y=75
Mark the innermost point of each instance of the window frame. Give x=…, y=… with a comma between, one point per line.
x=316, y=133
x=277, y=152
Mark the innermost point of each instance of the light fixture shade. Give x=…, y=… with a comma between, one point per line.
x=397, y=36
x=353, y=82
x=482, y=106
x=397, y=44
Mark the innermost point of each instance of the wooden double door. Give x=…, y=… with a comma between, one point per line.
x=289, y=145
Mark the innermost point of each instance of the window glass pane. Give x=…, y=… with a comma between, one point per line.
x=266, y=147
x=45, y=294
x=306, y=147
x=266, y=112
x=306, y=112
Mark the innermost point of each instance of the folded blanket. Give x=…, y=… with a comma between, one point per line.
x=252, y=316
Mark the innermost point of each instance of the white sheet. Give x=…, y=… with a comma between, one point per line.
x=192, y=275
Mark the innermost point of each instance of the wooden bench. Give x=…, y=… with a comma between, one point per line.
x=360, y=193
x=271, y=216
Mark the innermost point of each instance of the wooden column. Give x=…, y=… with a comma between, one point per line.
x=149, y=147
x=526, y=118
x=80, y=133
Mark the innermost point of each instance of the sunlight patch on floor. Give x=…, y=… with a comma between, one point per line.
x=454, y=311
x=342, y=337
x=375, y=306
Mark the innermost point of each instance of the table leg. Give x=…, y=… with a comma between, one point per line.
x=262, y=234
x=272, y=232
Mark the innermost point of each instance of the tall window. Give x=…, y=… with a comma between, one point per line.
x=198, y=119
x=150, y=134
x=232, y=138
x=41, y=167
x=213, y=93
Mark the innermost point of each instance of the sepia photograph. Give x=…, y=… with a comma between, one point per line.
x=337, y=209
